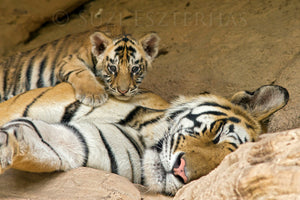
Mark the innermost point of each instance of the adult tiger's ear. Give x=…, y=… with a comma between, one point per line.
x=263, y=102
x=99, y=43
x=150, y=44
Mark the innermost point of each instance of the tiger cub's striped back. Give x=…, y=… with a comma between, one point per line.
x=93, y=63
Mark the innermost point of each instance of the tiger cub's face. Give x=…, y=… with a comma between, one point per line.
x=122, y=63
x=201, y=131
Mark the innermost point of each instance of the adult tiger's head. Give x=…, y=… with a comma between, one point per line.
x=200, y=132
x=122, y=63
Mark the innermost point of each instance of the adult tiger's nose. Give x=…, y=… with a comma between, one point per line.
x=178, y=169
x=123, y=91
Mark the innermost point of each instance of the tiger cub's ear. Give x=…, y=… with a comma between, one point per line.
x=150, y=44
x=263, y=102
x=99, y=43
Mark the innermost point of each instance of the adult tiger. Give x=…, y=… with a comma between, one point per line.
x=86, y=61
x=146, y=139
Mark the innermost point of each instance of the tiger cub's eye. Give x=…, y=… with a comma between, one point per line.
x=112, y=69
x=135, y=69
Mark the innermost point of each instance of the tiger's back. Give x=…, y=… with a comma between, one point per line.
x=36, y=68
x=146, y=139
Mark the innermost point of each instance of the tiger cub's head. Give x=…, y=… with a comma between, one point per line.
x=200, y=132
x=122, y=63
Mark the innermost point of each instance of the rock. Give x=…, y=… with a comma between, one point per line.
x=146, y=195
x=81, y=183
x=267, y=169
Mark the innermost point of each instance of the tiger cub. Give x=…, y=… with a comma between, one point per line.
x=94, y=64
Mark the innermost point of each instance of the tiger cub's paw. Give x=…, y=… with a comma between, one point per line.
x=92, y=96
x=8, y=149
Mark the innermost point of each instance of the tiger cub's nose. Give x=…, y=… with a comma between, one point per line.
x=123, y=91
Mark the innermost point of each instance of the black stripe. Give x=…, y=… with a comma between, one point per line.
x=40, y=136
x=231, y=128
x=235, y=137
x=158, y=146
x=58, y=52
x=131, y=115
x=120, y=40
x=82, y=61
x=94, y=60
x=131, y=166
x=234, y=119
x=240, y=140
x=142, y=176
x=214, y=105
x=43, y=64
x=119, y=48
x=30, y=66
x=249, y=126
x=25, y=113
x=16, y=98
x=132, y=141
x=82, y=141
x=178, y=140
x=5, y=80
x=18, y=69
x=175, y=114
x=77, y=71
x=61, y=66
x=217, y=113
x=222, y=123
x=193, y=118
x=130, y=48
x=233, y=144
x=220, y=126
x=91, y=110
x=113, y=162
x=230, y=149
x=212, y=125
x=29, y=73
x=69, y=112
x=149, y=122
x=217, y=139
x=172, y=142
x=142, y=141
x=204, y=130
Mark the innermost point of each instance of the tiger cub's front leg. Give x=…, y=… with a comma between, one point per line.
x=82, y=68
x=35, y=146
x=88, y=90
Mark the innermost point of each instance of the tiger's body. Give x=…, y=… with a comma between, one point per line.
x=146, y=139
x=94, y=64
